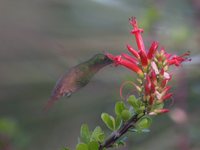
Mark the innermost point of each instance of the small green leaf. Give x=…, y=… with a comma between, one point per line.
x=97, y=135
x=118, y=122
x=108, y=120
x=137, y=105
x=85, y=133
x=144, y=123
x=93, y=145
x=126, y=115
x=119, y=107
x=82, y=146
x=133, y=101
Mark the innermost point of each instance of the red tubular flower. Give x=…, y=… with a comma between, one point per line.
x=143, y=58
x=131, y=66
x=164, y=83
x=137, y=33
x=159, y=111
x=152, y=49
x=153, y=77
x=151, y=100
x=115, y=59
x=134, y=52
x=153, y=88
x=162, y=71
x=147, y=85
x=128, y=57
x=165, y=90
x=118, y=60
x=167, y=96
x=167, y=55
x=177, y=60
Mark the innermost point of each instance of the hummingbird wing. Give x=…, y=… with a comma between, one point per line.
x=77, y=77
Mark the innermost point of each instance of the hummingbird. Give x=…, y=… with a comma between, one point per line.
x=77, y=77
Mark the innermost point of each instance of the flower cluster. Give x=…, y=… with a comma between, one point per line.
x=152, y=69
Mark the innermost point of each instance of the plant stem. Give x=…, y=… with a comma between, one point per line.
x=120, y=132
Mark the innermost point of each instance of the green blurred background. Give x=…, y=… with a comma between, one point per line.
x=40, y=39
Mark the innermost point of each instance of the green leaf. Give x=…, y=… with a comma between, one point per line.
x=85, y=133
x=118, y=122
x=119, y=107
x=108, y=120
x=97, y=135
x=93, y=145
x=144, y=123
x=82, y=146
x=136, y=104
x=126, y=115
x=133, y=102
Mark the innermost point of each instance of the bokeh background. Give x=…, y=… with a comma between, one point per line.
x=40, y=39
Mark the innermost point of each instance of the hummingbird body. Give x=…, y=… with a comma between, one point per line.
x=77, y=77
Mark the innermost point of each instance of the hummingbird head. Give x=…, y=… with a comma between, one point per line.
x=101, y=59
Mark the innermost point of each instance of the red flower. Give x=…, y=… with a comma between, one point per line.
x=163, y=111
x=118, y=60
x=143, y=58
x=134, y=52
x=167, y=96
x=166, y=89
x=177, y=60
x=148, y=85
x=153, y=77
x=152, y=50
x=151, y=100
x=128, y=57
x=137, y=32
x=159, y=111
